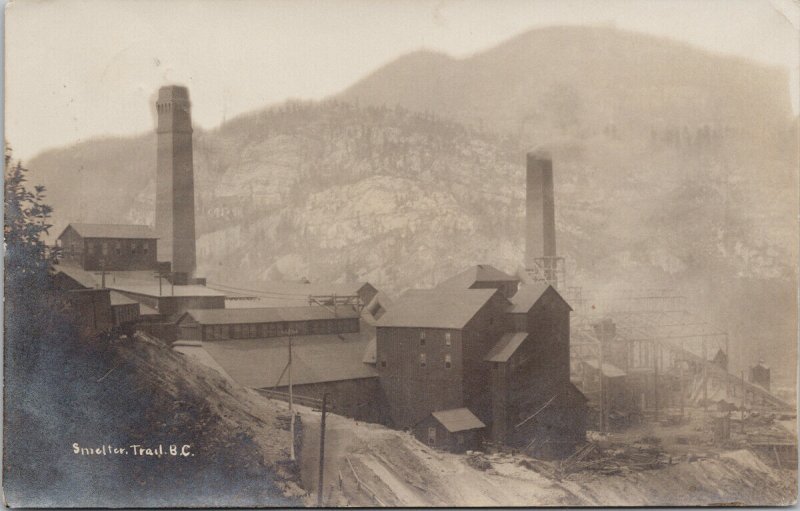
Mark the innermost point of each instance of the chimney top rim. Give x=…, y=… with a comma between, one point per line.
x=172, y=92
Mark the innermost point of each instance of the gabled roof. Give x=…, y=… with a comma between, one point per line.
x=506, y=347
x=120, y=299
x=258, y=363
x=80, y=276
x=528, y=294
x=269, y=314
x=436, y=308
x=475, y=274
x=112, y=231
x=458, y=419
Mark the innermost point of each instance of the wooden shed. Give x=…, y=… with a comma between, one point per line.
x=455, y=430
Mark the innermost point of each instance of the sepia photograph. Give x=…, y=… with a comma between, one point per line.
x=400, y=253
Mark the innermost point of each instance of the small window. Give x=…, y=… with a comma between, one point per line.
x=460, y=439
x=448, y=362
x=383, y=363
x=118, y=248
x=146, y=247
x=237, y=331
x=422, y=360
x=431, y=436
x=134, y=244
x=105, y=248
x=90, y=247
x=421, y=336
x=447, y=341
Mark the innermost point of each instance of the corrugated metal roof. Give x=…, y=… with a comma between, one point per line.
x=258, y=363
x=609, y=370
x=436, y=308
x=506, y=347
x=527, y=296
x=269, y=314
x=113, y=231
x=477, y=273
x=458, y=419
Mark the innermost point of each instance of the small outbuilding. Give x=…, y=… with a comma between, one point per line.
x=455, y=430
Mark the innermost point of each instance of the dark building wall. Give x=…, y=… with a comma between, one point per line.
x=72, y=247
x=361, y=399
x=175, y=223
x=500, y=402
x=413, y=391
x=535, y=372
x=112, y=254
x=125, y=313
x=431, y=432
x=517, y=322
x=557, y=429
x=548, y=326
x=91, y=310
x=480, y=335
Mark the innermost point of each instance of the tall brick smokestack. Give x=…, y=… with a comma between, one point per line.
x=540, y=211
x=175, y=181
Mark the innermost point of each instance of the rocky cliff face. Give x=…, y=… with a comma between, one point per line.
x=400, y=197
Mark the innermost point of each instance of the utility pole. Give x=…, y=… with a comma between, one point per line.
x=655, y=376
x=291, y=403
x=602, y=387
x=320, y=486
x=102, y=274
x=705, y=377
x=159, y=275
x=741, y=408
x=680, y=377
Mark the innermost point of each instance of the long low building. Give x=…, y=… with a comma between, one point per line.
x=321, y=363
x=220, y=324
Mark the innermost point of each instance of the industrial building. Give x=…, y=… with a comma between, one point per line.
x=95, y=247
x=482, y=348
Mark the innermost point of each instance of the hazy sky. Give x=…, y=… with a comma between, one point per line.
x=83, y=68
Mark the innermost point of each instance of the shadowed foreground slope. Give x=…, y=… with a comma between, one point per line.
x=125, y=392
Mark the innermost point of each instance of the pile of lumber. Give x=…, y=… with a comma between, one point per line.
x=615, y=460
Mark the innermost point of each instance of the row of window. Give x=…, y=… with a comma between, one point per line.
x=423, y=361
x=136, y=247
x=281, y=329
x=423, y=340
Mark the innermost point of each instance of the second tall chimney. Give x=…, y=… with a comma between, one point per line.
x=540, y=211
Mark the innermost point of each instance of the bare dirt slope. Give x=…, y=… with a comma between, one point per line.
x=395, y=469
